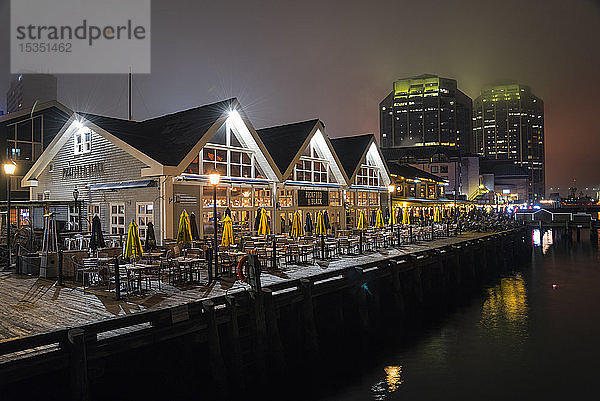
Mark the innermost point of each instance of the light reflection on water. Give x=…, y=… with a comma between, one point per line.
x=392, y=381
x=506, y=303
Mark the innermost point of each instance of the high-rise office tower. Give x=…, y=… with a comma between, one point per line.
x=508, y=124
x=26, y=89
x=426, y=110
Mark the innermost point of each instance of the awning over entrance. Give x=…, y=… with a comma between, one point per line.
x=124, y=185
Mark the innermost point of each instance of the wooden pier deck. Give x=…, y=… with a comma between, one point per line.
x=32, y=305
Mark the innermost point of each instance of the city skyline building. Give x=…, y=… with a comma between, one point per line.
x=27, y=89
x=508, y=124
x=426, y=110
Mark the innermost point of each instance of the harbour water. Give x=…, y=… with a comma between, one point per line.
x=533, y=333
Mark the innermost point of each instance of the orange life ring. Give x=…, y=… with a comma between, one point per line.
x=240, y=268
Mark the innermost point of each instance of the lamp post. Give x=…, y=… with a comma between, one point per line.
x=391, y=189
x=214, y=181
x=76, y=196
x=9, y=171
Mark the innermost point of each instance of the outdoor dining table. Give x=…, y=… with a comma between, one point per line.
x=138, y=269
x=188, y=263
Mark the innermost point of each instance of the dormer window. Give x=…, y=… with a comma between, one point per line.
x=83, y=141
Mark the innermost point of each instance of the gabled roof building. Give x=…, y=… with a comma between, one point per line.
x=153, y=170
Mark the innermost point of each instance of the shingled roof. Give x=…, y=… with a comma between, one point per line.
x=406, y=171
x=283, y=142
x=351, y=150
x=166, y=139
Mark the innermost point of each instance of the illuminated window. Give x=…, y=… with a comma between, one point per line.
x=143, y=216
x=240, y=197
x=335, y=198
x=117, y=218
x=286, y=197
x=83, y=141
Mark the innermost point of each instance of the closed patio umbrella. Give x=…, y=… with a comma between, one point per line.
x=308, y=224
x=194, y=227
x=263, y=227
x=282, y=224
x=297, y=230
x=386, y=214
x=405, y=217
x=373, y=218
x=321, y=229
x=228, y=212
x=257, y=219
x=150, y=242
x=392, y=218
x=227, y=238
x=133, y=247
x=327, y=221
x=362, y=221
x=184, y=234
x=97, y=239
x=379, y=219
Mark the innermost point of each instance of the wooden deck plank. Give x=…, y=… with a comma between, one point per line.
x=32, y=305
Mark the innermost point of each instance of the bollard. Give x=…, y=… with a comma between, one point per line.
x=274, y=262
x=117, y=280
x=410, y=233
x=432, y=230
x=59, y=282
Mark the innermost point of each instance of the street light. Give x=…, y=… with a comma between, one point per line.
x=75, y=196
x=391, y=189
x=214, y=181
x=9, y=171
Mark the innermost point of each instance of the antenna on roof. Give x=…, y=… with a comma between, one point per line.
x=129, y=93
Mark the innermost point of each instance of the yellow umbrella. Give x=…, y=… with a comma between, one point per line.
x=184, y=233
x=297, y=229
x=438, y=215
x=405, y=216
x=320, y=224
x=362, y=221
x=392, y=217
x=263, y=225
x=379, y=219
x=227, y=232
x=133, y=247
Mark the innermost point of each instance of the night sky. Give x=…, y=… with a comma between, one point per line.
x=336, y=60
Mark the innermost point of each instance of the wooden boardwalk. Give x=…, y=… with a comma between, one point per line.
x=32, y=305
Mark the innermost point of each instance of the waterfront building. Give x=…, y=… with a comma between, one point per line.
x=425, y=110
x=461, y=171
x=25, y=90
x=508, y=124
x=151, y=171
x=415, y=187
x=368, y=175
x=312, y=178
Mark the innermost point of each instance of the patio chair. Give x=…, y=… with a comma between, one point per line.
x=87, y=268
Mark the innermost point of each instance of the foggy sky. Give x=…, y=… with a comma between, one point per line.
x=336, y=60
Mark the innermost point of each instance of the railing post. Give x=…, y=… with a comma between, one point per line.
x=214, y=348
x=78, y=364
x=275, y=347
x=234, y=333
x=311, y=341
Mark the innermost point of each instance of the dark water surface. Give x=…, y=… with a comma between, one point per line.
x=532, y=334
